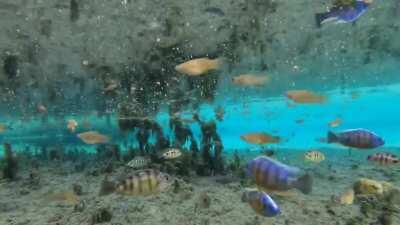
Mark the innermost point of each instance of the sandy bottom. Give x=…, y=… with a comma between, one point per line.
x=26, y=201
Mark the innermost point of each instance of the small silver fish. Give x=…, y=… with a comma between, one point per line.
x=138, y=162
x=171, y=153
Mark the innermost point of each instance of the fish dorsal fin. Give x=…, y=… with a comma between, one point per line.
x=292, y=170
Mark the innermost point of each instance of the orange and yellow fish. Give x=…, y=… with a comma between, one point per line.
x=198, y=67
x=72, y=125
x=93, y=137
x=260, y=138
x=335, y=123
x=250, y=80
x=305, y=97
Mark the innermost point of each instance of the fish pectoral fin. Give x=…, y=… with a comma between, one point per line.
x=330, y=19
x=252, y=189
x=286, y=194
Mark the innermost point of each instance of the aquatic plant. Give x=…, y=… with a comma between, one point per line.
x=100, y=215
x=214, y=163
x=108, y=152
x=10, y=165
x=80, y=207
x=106, y=187
x=77, y=188
x=176, y=186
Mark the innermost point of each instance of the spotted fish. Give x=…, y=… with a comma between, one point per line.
x=272, y=175
x=384, y=158
x=143, y=183
x=314, y=156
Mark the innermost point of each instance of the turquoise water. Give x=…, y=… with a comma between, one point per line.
x=370, y=108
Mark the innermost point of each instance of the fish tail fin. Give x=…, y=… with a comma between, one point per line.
x=217, y=63
x=332, y=137
x=319, y=18
x=247, y=194
x=304, y=183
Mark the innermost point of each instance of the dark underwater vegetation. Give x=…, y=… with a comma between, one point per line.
x=242, y=112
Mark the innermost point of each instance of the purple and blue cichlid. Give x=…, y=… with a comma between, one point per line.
x=343, y=14
x=356, y=138
x=261, y=203
x=271, y=175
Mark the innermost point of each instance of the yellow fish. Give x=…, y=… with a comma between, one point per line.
x=197, y=67
x=93, y=137
x=314, y=156
x=347, y=198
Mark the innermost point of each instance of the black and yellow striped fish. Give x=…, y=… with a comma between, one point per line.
x=315, y=156
x=144, y=182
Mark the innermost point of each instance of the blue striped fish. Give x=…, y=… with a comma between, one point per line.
x=356, y=138
x=272, y=175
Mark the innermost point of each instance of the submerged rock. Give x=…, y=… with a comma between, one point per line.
x=368, y=187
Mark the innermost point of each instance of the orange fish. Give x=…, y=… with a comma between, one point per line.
x=335, y=123
x=93, y=137
x=260, y=138
x=304, y=96
x=250, y=80
x=197, y=67
x=71, y=125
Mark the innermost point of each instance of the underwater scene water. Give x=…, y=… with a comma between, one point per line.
x=245, y=112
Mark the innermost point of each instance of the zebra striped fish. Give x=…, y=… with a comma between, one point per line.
x=143, y=183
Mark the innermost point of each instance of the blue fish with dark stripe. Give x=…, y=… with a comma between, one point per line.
x=261, y=203
x=272, y=175
x=356, y=138
x=343, y=14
